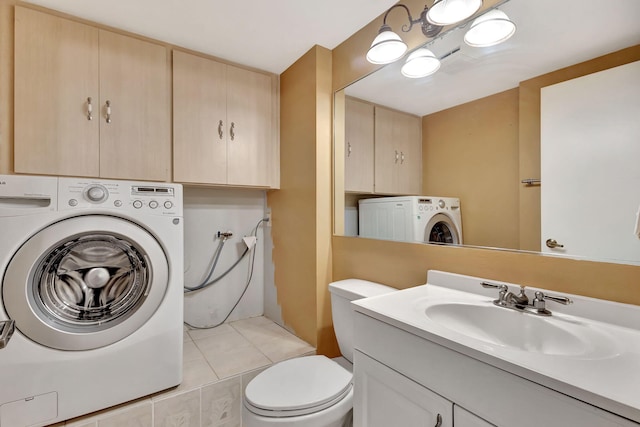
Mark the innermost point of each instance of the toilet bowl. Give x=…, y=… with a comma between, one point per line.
x=312, y=391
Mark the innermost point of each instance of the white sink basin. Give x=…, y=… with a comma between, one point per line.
x=521, y=331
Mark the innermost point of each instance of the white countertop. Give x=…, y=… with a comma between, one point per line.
x=608, y=378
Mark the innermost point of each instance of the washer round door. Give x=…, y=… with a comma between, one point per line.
x=441, y=229
x=85, y=282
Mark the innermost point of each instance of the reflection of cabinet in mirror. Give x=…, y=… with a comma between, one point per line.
x=358, y=156
x=383, y=150
x=84, y=96
x=398, y=152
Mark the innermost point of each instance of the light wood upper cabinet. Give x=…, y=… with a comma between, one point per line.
x=398, y=152
x=358, y=146
x=223, y=124
x=56, y=71
x=134, y=79
x=65, y=73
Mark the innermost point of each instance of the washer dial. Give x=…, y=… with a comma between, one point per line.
x=96, y=193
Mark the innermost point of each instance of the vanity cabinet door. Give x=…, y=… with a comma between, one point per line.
x=358, y=156
x=398, y=153
x=464, y=418
x=384, y=397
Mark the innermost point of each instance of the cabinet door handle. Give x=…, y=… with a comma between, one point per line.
x=348, y=149
x=438, y=420
x=401, y=157
x=108, y=118
x=232, y=132
x=220, y=132
x=397, y=156
x=89, y=109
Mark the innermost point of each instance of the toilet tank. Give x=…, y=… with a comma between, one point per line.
x=342, y=293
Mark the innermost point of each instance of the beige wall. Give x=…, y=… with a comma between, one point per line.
x=482, y=138
x=301, y=209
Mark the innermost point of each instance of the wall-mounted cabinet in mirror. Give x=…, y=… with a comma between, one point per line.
x=481, y=119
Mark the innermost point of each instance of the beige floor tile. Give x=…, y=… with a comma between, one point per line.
x=273, y=340
x=185, y=333
x=196, y=373
x=190, y=352
x=196, y=334
x=231, y=354
x=285, y=348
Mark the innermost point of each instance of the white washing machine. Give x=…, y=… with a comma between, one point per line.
x=411, y=219
x=91, y=274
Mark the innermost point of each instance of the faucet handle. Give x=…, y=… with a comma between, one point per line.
x=541, y=298
x=502, y=288
x=554, y=298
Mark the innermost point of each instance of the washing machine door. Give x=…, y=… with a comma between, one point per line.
x=441, y=229
x=85, y=282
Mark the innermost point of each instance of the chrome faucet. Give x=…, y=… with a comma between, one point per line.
x=520, y=301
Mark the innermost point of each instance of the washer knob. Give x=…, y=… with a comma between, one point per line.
x=168, y=205
x=137, y=204
x=153, y=204
x=442, y=204
x=97, y=193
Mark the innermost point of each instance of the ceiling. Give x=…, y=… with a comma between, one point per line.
x=263, y=34
x=550, y=35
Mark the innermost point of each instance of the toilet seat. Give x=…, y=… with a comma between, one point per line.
x=297, y=387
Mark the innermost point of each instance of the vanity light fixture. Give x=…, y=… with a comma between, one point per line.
x=492, y=28
x=420, y=63
x=447, y=12
x=388, y=46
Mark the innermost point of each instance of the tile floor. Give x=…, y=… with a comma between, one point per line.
x=217, y=365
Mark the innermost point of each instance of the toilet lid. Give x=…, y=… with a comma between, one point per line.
x=299, y=385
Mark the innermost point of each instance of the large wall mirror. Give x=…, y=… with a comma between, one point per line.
x=487, y=124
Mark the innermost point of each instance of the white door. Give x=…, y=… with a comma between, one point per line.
x=590, y=197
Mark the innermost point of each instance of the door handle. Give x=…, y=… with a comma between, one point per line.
x=108, y=117
x=438, y=421
x=551, y=243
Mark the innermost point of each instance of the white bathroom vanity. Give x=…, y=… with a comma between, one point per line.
x=445, y=355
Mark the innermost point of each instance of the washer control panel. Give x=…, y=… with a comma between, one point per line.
x=149, y=198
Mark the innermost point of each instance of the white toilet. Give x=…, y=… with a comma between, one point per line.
x=312, y=391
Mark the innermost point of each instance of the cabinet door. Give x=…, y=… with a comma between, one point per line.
x=134, y=79
x=56, y=71
x=249, y=124
x=387, y=156
x=358, y=175
x=408, y=137
x=384, y=397
x=464, y=418
x=199, y=120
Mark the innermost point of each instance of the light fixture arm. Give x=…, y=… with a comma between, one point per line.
x=428, y=29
